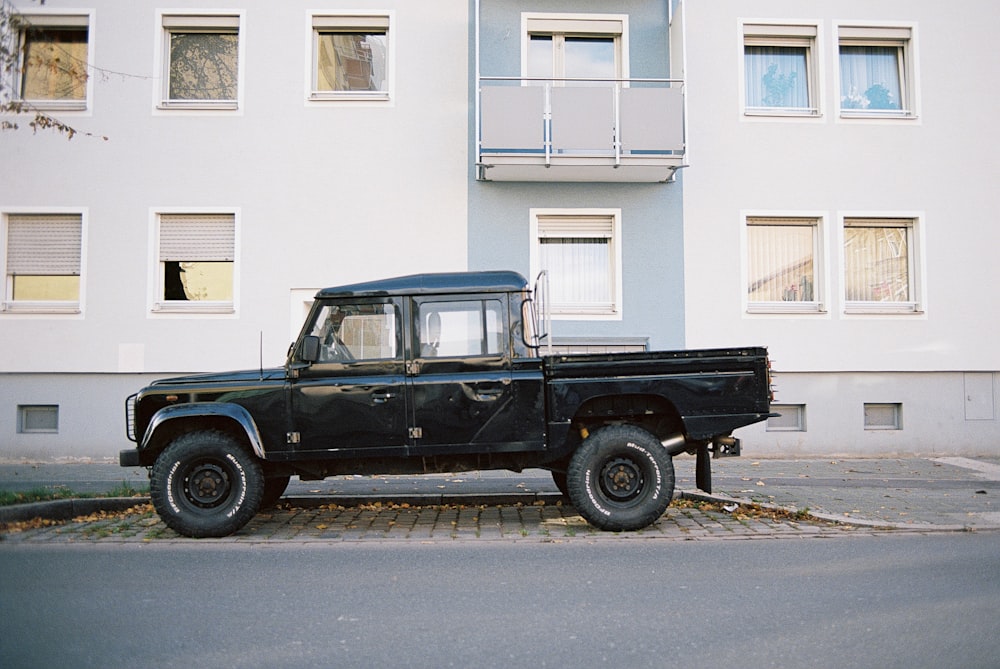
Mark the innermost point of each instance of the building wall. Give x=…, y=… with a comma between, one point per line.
x=323, y=194
x=937, y=167
x=652, y=232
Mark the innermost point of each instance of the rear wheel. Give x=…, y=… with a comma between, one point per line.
x=621, y=478
x=206, y=484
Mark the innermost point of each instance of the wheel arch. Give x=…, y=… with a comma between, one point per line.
x=654, y=413
x=172, y=421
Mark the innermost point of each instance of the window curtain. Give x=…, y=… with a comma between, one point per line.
x=55, y=64
x=781, y=263
x=876, y=264
x=579, y=269
x=869, y=77
x=776, y=76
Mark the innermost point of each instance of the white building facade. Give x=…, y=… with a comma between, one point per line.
x=255, y=150
x=837, y=209
x=813, y=177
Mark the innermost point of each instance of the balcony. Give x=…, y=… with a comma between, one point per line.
x=623, y=130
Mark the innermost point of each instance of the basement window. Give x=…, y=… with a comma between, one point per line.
x=38, y=419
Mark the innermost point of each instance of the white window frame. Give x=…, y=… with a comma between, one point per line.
x=576, y=24
x=873, y=410
x=24, y=412
x=901, y=36
x=169, y=20
x=8, y=306
x=820, y=279
x=538, y=218
x=784, y=34
x=794, y=416
x=160, y=307
x=375, y=21
x=915, y=263
x=53, y=18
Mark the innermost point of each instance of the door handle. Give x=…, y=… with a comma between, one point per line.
x=489, y=395
x=382, y=398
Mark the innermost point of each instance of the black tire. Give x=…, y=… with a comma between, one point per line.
x=621, y=478
x=274, y=488
x=206, y=484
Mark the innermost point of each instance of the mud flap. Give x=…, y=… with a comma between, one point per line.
x=703, y=470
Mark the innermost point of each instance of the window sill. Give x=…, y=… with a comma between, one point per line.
x=782, y=112
x=902, y=309
x=352, y=96
x=40, y=308
x=786, y=308
x=52, y=105
x=885, y=115
x=193, y=309
x=201, y=105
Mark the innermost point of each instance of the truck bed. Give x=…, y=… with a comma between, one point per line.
x=713, y=391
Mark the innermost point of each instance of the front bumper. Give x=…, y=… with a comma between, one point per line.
x=129, y=458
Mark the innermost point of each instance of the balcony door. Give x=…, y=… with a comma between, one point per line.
x=564, y=46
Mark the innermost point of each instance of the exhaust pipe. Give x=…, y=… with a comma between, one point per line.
x=675, y=444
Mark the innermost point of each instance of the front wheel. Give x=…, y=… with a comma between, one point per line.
x=206, y=484
x=621, y=478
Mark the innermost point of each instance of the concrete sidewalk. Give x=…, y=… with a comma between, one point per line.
x=918, y=493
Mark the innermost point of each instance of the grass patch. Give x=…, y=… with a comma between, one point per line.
x=123, y=489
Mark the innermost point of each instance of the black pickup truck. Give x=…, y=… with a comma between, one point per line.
x=441, y=373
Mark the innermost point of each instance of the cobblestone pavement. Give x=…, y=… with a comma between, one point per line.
x=540, y=522
x=810, y=498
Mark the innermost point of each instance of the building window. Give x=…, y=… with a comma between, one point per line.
x=350, y=58
x=201, y=62
x=197, y=257
x=879, y=271
x=42, y=262
x=883, y=416
x=792, y=418
x=564, y=46
x=779, y=69
x=581, y=252
x=876, y=72
x=54, y=51
x=782, y=259
x=38, y=419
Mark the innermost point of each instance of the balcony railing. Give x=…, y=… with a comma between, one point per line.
x=532, y=129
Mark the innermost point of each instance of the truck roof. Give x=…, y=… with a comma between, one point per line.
x=432, y=283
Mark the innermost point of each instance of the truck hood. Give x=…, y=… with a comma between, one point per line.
x=239, y=377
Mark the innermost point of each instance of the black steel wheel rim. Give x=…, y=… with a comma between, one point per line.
x=206, y=485
x=621, y=480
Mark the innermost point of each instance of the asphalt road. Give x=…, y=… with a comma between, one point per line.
x=874, y=601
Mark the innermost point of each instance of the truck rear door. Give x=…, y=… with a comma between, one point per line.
x=463, y=397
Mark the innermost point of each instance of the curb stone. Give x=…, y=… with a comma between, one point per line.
x=67, y=509
x=827, y=517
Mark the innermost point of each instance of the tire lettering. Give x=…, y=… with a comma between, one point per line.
x=243, y=486
x=170, y=488
x=590, y=494
x=652, y=461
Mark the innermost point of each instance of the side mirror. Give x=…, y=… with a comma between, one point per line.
x=309, y=351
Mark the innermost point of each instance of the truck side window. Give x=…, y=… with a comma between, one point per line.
x=460, y=329
x=352, y=332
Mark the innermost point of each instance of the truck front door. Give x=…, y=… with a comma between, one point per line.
x=352, y=401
